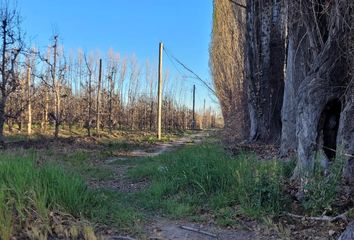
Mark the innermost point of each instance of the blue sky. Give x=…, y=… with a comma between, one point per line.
x=128, y=27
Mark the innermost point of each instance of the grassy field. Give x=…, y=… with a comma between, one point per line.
x=48, y=191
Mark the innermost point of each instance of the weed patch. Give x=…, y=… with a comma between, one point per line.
x=321, y=191
x=205, y=178
x=30, y=194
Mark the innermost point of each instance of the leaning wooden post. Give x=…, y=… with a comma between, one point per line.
x=98, y=99
x=159, y=92
x=29, y=107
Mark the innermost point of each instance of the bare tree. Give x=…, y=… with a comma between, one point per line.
x=12, y=46
x=57, y=71
x=88, y=95
x=122, y=75
x=133, y=88
x=112, y=70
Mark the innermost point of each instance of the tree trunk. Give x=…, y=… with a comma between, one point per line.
x=89, y=106
x=2, y=120
x=295, y=72
x=98, y=102
x=29, y=105
x=45, y=112
x=346, y=138
x=346, y=127
x=326, y=81
x=265, y=50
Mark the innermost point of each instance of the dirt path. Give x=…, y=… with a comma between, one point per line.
x=162, y=228
x=120, y=182
x=180, y=230
x=161, y=148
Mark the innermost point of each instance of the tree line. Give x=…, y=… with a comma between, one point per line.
x=283, y=71
x=48, y=89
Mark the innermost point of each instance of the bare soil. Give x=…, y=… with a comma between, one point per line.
x=162, y=228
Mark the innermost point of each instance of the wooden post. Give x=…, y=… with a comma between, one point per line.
x=193, y=116
x=98, y=99
x=159, y=92
x=56, y=85
x=29, y=107
x=203, y=122
x=210, y=118
x=44, y=122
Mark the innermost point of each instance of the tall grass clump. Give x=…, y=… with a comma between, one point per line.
x=321, y=190
x=204, y=175
x=259, y=186
x=22, y=181
x=31, y=194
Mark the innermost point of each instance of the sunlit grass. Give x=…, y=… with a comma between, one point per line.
x=29, y=194
x=205, y=178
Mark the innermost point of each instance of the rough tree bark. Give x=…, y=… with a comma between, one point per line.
x=326, y=79
x=295, y=72
x=345, y=139
x=265, y=51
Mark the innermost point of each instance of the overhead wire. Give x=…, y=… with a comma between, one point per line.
x=170, y=55
x=173, y=63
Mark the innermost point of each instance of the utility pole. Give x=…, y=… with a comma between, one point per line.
x=29, y=107
x=159, y=92
x=98, y=99
x=193, y=117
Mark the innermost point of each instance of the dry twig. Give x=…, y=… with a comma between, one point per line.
x=325, y=218
x=199, y=231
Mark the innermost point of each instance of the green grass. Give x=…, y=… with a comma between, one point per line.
x=119, y=145
x=321, y=191
x=79, y=161
x=204, y=178
x=30, y=193
x=194, y=182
